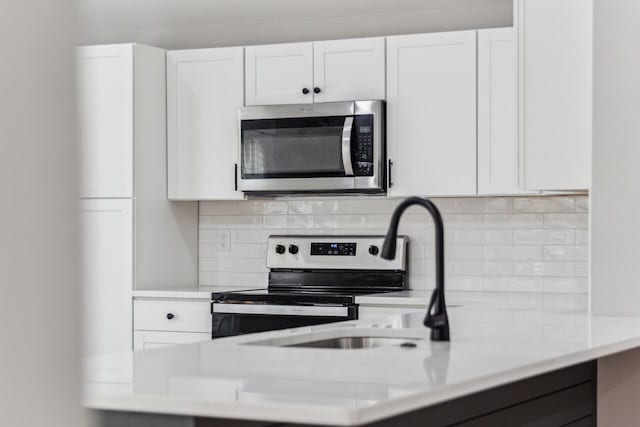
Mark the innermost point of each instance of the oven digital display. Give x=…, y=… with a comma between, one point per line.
x=344, y=249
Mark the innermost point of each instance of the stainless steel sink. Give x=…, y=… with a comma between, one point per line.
x=348, y=339
x=351, y=343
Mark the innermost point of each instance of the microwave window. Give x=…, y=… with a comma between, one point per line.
x=284, y=148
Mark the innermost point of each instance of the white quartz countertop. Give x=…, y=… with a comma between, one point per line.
x=408, y=297
x=202, y=292
x=496, y=338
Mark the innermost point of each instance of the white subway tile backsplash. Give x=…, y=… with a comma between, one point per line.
x=512, y=284
x=565, y=220
x=566, y=253
x=239, y=265
x=544, y=204
x=463, y=252
x=237, y=250
x=582, y=237
x=231, y=221
x=245, y=280
x=566, y=284
x=257, y=235
x=582, y=204
x=582, y=269
x=519, y=220
x=276, y=221
x=300, y=221
x=543, y=236
x=307, y=207
x=459, y=220
x=527, y=244
x=515, y=252
x=543, y=268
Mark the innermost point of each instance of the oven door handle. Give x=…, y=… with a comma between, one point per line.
x=281, y=310
x=346, y=146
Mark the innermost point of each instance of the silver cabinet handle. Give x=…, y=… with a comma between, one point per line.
x=346, y=146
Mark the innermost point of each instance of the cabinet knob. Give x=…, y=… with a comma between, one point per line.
x=305, y=90
x=316, y=90
x=170, y=316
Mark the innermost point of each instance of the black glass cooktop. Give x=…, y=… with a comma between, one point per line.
x=286, y=296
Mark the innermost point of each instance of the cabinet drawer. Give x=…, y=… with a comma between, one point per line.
x=174, y=316
x=146, y=340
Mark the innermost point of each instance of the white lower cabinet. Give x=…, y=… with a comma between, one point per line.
x=107, y=274
x=146, y=340
x=163, y=322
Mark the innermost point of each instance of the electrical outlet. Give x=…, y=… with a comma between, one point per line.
x=224, y=240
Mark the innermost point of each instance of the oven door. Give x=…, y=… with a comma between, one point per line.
x=231, y=319
x=307, y=149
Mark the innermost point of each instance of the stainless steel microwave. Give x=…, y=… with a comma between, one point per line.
x=334, y=147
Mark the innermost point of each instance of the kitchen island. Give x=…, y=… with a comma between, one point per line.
x=503, y=347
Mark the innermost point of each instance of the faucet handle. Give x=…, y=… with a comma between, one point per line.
x=437, y=318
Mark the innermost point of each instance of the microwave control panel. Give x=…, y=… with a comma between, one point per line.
x=363, y=145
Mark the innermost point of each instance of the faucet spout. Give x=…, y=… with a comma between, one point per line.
x=436, y=317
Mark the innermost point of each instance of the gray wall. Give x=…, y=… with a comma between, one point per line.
x=39, y=319
x=178, y=24
x=615, y=221
x=615, y=202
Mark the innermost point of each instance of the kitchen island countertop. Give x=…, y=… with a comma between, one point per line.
x=497, y=338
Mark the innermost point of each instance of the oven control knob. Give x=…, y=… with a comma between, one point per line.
x=373, y=250
x=293, y=249
x=280, y=249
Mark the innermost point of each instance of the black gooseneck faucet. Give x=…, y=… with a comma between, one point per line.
x=436, y=318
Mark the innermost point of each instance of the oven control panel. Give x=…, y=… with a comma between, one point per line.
x=334, y=248
x=333, y=252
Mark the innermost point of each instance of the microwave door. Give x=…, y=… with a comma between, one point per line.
x=297, y=154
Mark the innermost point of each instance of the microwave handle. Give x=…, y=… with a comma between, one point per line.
x=346, y=146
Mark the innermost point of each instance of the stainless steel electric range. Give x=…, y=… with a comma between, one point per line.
x=312, y=280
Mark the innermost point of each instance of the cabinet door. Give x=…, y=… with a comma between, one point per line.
x=107, y=274
x=105, y=117
x=348, y=70
x=204, y=92
x=498, y=154
x=278, y=74
x=431, y=96
x=555, y=72
x=146, y=340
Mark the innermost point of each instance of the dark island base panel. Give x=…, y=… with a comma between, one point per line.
x=566, y=397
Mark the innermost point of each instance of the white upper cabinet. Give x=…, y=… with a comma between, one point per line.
x=327, y=71
x=431, y=112
x=107, y=274
x=279, y=74
x=204, y=92
x=498, y=154
x=555, y=80
x=347, y=70
x=105, y=115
